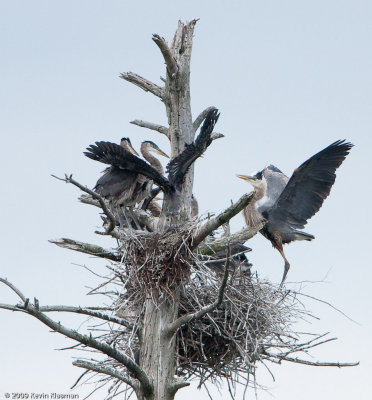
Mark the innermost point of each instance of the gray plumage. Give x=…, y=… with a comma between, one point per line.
x=287, y=204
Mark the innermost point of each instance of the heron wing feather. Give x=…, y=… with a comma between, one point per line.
x=308, y=187
x=117, y=156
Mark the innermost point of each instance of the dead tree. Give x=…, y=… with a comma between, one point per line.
x=172, y=317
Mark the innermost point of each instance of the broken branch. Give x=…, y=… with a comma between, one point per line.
x=143, y=83
x=104, y=370
x=149, y=125
x=172, y=67
x=86, y=248
x=107, y=212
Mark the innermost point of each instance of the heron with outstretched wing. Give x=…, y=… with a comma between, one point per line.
x=287, y=204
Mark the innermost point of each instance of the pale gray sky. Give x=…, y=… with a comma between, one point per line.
x=289, y=77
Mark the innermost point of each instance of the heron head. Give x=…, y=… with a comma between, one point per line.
x=257, y=180
x=151, y=146
x=126, y=143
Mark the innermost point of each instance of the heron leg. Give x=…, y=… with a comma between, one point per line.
x=286, y=265
x=135, y=222
x=124, y=218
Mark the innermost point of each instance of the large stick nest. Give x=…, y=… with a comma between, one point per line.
x=254, y=324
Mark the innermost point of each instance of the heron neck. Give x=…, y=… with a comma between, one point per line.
x=251, y=215
x=152, y=160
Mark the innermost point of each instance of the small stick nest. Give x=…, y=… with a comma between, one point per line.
x=156, y=262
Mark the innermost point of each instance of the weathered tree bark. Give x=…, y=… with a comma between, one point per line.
x=157, y=356
x=177, y=102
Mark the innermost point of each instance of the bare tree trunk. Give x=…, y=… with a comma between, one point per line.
x=177, y=102
x=157, y=356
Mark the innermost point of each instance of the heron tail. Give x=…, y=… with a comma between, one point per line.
x=303, y=236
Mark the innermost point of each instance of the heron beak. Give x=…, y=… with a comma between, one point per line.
x=157, y=198
x=161, y=153
x=134, y=151
x=246, y=177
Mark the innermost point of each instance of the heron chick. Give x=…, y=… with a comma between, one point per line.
x=286, y=204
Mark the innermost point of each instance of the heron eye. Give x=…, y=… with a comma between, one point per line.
x=259, y=175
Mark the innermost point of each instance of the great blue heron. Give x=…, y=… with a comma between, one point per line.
x=287, y=204
x=123, y=184
x=114, y=181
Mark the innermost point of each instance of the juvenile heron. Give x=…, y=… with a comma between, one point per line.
x=287, y=204
x=123, y=183
x=115, y=181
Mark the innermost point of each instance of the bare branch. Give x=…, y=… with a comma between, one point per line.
x=320, y=364
x=143, y=83
x=104, y=370
x=10, y=307
x=86, y=199
x=217, y=135
x=89, y=341
x=201, y=117
x=86, y=311
x=86, y=248
x=149, y=125
x=178, y=383
x=112, y=222
x=210, y=248
x=185, y=319
x=15, y=290
x=172, y=67
x=221, y=219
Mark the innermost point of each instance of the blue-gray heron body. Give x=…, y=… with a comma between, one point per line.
x=286, y=204
x=128, y=181
x=124, y=186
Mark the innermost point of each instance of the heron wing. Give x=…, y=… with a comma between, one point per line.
x=178, y=167
x=115, y=181
x=308, y=187
x=117, y=156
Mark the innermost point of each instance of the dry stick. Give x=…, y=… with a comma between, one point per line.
x=201, y=117
x=112, y=224
x=172, y=67
x=320, y=364
x=149, y=125
x=221, y=219
x=143, y=83
x=328, y=304
x=185, y=319
x=96, y=314
x=11, y=307
x=15, y=290
x=104, y=370
x=86, y=248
